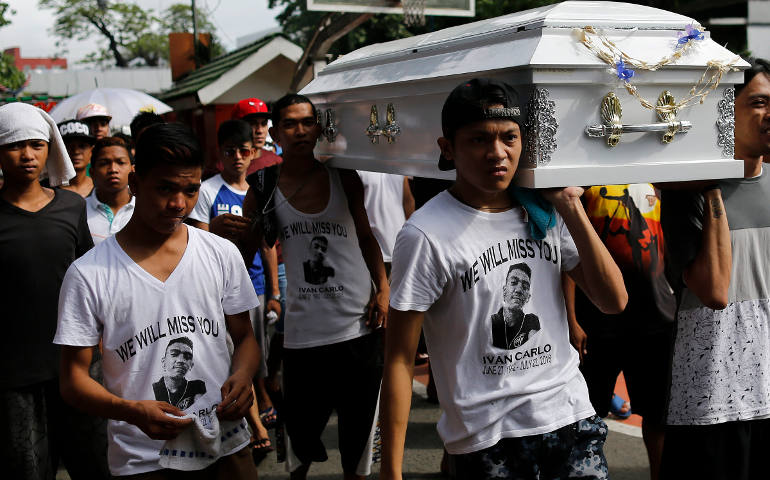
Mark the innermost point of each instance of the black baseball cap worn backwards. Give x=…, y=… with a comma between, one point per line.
x=469, y=103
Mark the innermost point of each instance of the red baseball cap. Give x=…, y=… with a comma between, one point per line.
x=249, y=106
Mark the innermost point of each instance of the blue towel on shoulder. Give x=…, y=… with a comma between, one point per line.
x=542, y=215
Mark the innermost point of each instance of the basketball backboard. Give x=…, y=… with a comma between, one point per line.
x=451, y=8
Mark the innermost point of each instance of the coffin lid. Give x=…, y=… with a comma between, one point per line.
x=445, y=52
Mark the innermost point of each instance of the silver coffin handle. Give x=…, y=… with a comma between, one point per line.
x=597, y=131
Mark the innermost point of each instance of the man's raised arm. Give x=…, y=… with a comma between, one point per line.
x=708, y=276
x=597, y=273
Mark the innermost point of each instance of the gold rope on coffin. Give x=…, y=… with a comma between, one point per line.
x=608, y=52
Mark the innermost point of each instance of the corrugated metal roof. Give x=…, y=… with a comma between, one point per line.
x=197, y=79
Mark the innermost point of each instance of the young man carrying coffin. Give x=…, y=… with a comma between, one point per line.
x=465, y=263
x=718, y=423
x=163, y=297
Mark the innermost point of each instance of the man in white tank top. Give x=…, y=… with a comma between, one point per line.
x=337, y=293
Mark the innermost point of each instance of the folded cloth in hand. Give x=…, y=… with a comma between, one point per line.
x=203, y=442
x=541, y=215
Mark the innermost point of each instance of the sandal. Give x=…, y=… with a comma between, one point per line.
x=616, y=406
x=259, y=449
x=420, y=358
x=269, y=417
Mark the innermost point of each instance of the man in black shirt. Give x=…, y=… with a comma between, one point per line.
x=42, y=231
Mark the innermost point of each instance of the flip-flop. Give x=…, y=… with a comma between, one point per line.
x=616, y=404
x=259, y=449
x=269, y=417
x=420, y=358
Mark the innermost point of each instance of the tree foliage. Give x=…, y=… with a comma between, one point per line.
x=128, y=34
x=11, y=78
x=178, y=18
x=5, y=9
x=299, y=24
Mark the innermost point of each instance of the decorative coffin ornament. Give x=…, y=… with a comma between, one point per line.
x=617, y=93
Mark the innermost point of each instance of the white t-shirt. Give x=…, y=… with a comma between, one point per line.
x=106, y=295
x=329, y=284
x=494, y=380
x=384, y=202
x=102, y=222
x=215, y=198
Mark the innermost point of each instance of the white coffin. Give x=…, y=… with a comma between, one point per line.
x=563, y=82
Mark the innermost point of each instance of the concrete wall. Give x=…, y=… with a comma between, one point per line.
x=270, y=82
x=71, y=82
x=758, y=28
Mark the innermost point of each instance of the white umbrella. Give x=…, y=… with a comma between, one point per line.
x=122, y=103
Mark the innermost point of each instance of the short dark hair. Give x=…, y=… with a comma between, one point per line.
x=167, y=144
x=758, y=65
x=143, y=120
x=105, y=142
x=519, y=266
x=236, y=131
x=320, y=238
x=184, y=340
x=288, y=100
x=125, y=137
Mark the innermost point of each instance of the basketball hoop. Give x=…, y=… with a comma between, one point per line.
x=414, y=12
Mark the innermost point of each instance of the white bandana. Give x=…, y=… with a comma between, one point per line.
x=21, y=121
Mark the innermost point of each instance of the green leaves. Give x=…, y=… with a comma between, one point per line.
x=124, y=34
x=5, y=10
x=10, y=77
x=299, y=24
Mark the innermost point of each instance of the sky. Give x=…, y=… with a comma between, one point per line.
x=31, y=26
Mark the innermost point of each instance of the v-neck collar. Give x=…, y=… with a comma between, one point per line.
x=29, y=213
x=147, y=276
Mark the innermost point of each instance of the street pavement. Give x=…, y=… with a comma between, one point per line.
x=624, y=449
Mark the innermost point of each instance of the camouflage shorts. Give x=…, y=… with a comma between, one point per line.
x=573, y=451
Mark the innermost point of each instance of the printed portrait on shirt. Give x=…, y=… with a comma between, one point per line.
x=511, y=327
x=317, y=271
x=174, y=387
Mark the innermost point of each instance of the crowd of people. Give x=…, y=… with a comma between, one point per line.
x=160, y=323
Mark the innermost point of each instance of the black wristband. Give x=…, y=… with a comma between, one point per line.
x=713, y=186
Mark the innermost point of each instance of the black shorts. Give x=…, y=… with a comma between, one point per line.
x=344, y=377
x=573, y=451
x=734, y=450
x=645, y=361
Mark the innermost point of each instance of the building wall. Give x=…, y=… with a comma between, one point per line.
x=758, y=28
x=71, y=82
x=204, y=121
x=269, y=83
x=27, y=64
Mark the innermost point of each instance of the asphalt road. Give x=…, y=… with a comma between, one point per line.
x=625, y=452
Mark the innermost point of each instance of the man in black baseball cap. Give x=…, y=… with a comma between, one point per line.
x=476, y=100
x=79, y=142
x=508, y=412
